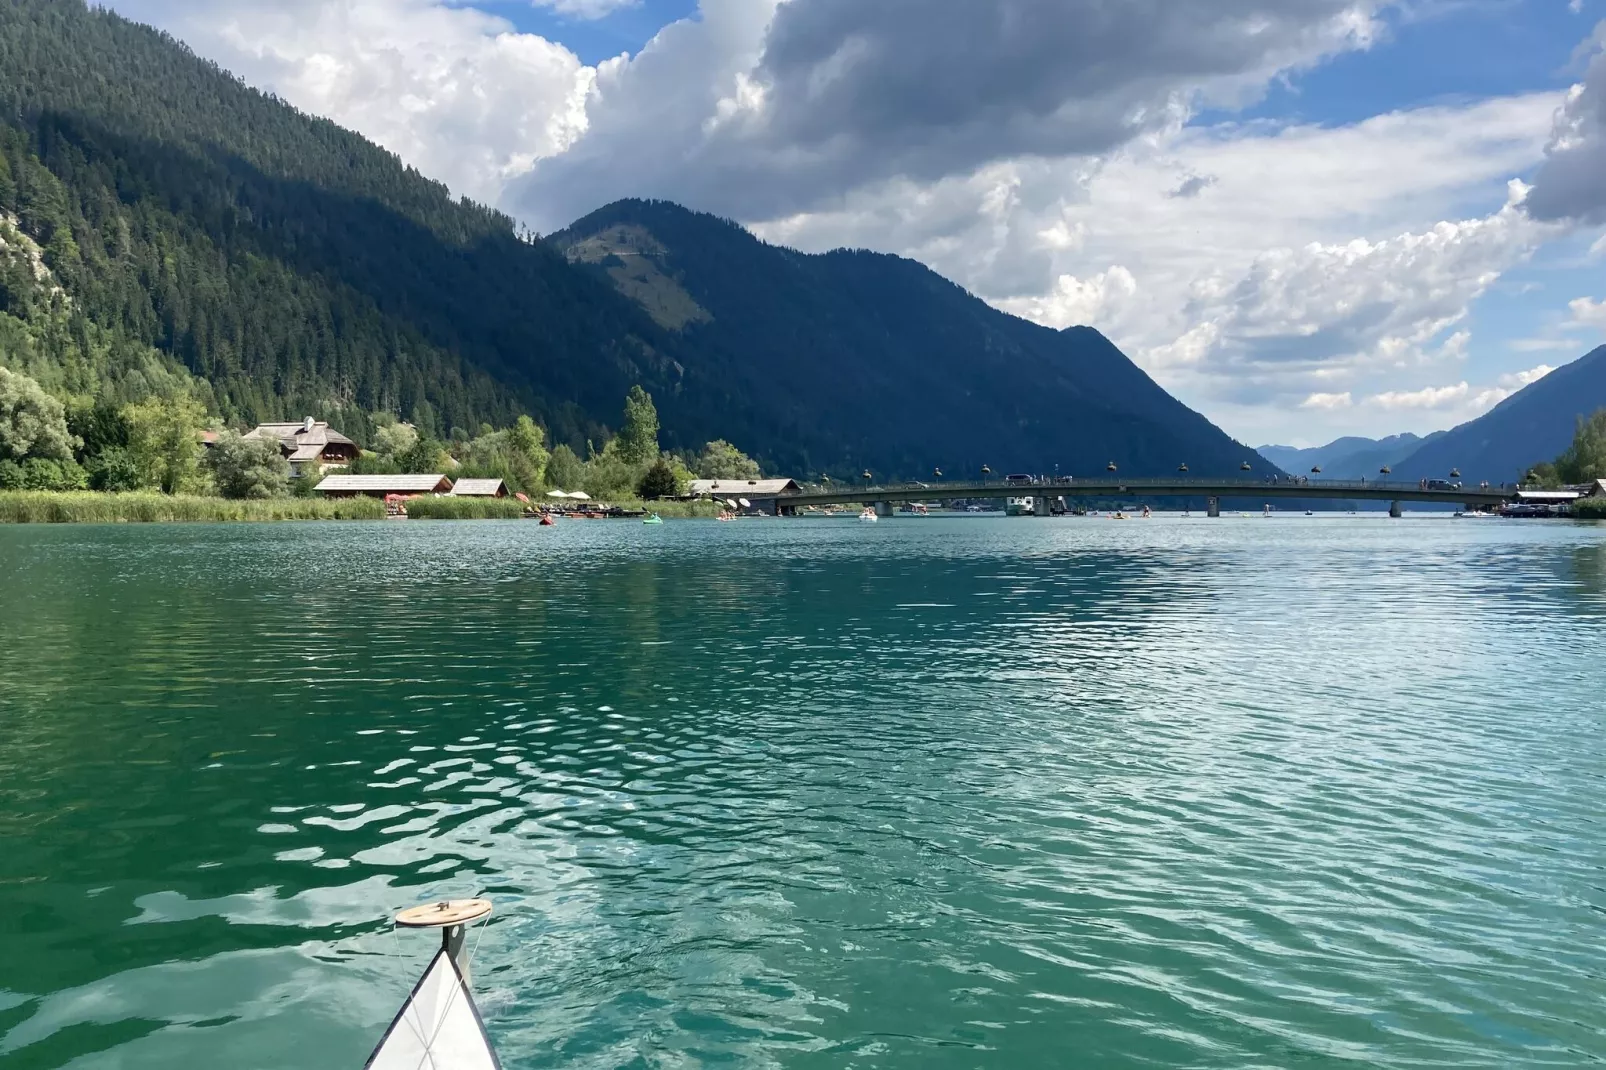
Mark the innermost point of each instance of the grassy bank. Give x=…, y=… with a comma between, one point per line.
x=1589, y=509
x=464, y=509
x=91, y=507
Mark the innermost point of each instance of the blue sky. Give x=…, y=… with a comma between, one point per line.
x=1306, y=218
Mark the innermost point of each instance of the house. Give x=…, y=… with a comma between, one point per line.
x=405, y=486
x=310, y=442
x=479, y=488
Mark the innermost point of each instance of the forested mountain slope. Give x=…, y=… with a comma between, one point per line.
x=294, y=265
x=880, y=361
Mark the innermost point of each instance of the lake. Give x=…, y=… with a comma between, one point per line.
x=935, y=793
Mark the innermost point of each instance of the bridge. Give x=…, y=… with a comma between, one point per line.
x=1042, y=490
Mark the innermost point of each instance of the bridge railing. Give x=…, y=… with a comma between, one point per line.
x=1047, y=487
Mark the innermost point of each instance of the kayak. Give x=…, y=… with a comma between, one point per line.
x=439, y=1026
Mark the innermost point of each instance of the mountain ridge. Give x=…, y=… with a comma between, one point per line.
x=895, y=344
x=1531, y=426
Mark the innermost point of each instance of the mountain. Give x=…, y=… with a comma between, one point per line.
x=161, y=222
x=293, y=266
x=1349, y=457
x=1532, y=425
x=876, y=360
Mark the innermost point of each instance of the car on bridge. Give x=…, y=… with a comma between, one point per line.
x=1018, y=478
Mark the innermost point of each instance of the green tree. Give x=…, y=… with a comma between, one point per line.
x=564, y=470
x=658, y=482
x=164, y=440
x=529, y=444
x=395, y=439
x=721, y=460
x=638, y=439
x=248, y=467
x=425, y=456
x=32, y=423
x=610, y=474
x=1584, y=461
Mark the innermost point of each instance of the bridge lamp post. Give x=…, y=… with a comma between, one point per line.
x=985, y=472
x=936, y=473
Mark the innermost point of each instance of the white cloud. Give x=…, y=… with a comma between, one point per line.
x=586, y=9
x=1429, y=397
x=1587, y=313
x=1517, y=380
x=1328, y=401
x=761, y=110
x=456, y=92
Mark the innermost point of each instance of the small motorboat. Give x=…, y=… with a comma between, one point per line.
x=652, y=518
x=1309, y=512
x=868, y=515
x=1475, y=514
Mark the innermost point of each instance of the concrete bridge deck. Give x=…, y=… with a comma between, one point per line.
x=1259, y=490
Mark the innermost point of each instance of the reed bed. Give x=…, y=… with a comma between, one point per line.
x=447, y=508
x=91, y=507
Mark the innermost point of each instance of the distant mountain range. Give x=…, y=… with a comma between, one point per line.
x=1532, y=425
x=1350, y=457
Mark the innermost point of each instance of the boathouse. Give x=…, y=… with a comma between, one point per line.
x=759, y=494
x=404, y=486
x=479, y=488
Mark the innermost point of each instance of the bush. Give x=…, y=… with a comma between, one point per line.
x=90, y=507
x=448, y=508
x=113, y=469
x=1589, y=509
x=39, y=473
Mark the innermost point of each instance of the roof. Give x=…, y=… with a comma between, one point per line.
x=402, y=484
x=747, y=488
x=297, y=436
x=479, y=488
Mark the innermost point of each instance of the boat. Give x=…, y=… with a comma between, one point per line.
x=868, y=515
x=1147, y=513
x=1309, y=512
x=546, y=521
x=1117, y=516
x=652, y=518
x=438, y=1024
x=1475, y=514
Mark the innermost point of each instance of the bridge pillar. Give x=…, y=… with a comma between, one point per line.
x=1213, y=506
x=1039, y=506
x=1394, y=510
x=883, y=508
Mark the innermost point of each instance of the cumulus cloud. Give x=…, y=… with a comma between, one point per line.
x=762, y=110
x=1587, y=313
x=1570, y=185
x=1328, y=401
x=454, y=91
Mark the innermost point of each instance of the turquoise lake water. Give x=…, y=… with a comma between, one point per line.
x=942, y=793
